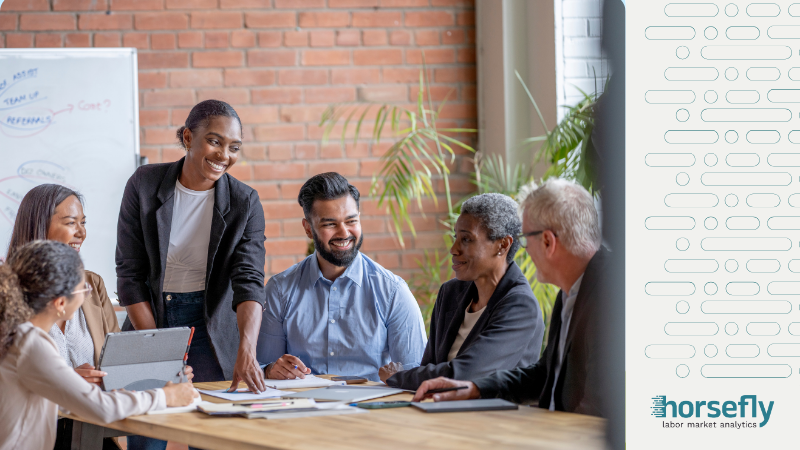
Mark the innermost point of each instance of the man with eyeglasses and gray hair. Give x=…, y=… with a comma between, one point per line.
x=561, y=233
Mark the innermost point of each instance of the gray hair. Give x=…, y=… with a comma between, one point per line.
x=565, y=208
x=498, y=215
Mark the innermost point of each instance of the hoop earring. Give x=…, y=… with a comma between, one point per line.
x=60, y=313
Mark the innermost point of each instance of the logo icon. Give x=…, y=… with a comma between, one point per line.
x=659, y=408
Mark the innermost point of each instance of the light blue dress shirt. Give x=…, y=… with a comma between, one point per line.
x=361, y=321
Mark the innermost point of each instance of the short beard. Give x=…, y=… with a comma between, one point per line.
x=335, y=257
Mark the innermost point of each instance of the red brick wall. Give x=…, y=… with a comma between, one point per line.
x=279, y=63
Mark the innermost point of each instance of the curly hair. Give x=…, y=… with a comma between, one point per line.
x=497, y=214
x=13, y=309
x=34, y=275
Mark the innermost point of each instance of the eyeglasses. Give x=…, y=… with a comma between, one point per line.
x=523, y=238
x=86, y=288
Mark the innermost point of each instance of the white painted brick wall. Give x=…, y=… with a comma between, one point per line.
x=579, y=57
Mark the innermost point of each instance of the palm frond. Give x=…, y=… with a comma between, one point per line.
x=492, y=174
x=567, y=148
x=421, y=152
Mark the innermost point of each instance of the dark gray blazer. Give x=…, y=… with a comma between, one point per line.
x=235, y=269
x=507, y=335
x=577, y=387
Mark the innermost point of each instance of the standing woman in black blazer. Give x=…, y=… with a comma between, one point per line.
x=190, y=249
x=487, y=318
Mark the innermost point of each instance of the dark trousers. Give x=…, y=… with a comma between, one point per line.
x=64, y=437
x=186, y=310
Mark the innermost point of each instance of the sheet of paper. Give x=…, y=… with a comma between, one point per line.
x=712, y=216
x=180, y=409
x=244, y=394
x=310, y=381
x=321, y=411
x=254, y=407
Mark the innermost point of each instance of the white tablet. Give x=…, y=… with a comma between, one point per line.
x=142, y=360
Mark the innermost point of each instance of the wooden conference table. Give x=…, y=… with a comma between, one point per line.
x=384, y=428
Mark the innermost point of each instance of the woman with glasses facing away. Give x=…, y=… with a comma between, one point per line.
x=41, y=283
x=487, y=318
x=55, y=212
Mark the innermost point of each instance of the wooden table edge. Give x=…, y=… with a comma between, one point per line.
x=202, y=440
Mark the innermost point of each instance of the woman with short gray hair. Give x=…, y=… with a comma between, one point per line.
x=487, y=318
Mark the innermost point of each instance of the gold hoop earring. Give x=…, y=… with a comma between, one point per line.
x=60, y=313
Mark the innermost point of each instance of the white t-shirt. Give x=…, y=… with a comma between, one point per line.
x=466, y=327
x=187, y=256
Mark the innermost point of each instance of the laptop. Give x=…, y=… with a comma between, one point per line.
x=350, y=394
x=142, y=360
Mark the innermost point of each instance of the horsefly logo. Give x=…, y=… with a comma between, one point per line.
x=747, y=412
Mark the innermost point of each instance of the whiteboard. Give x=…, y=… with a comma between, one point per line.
x=70, y=116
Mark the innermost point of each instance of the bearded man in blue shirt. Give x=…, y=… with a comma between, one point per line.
x=337, y=311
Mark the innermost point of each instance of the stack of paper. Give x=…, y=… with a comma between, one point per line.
x=322, y=409
x=244, y=394
x=278, y=409
x=241, y=409
x=310, y=381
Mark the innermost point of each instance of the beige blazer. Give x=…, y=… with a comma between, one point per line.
x=99, y=314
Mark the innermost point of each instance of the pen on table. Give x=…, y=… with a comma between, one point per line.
x=247, y=390
x=240, y=391
x=447, y=389
x=269, y=403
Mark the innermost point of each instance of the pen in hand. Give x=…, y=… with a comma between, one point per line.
x=186, y=356
x=447, y=389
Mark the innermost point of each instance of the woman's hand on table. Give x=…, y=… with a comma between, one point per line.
x=88, y=372
x=246, y=368
x=181, y=394
x=388, y=370
x=442, y=383
x=287, y=367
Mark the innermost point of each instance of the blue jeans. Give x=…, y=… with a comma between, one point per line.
x=186, y=310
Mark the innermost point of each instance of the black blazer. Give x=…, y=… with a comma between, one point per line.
x=508, y=334
x=235, y=268
x=577, y=388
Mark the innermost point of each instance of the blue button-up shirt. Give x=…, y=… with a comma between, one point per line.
x=353, y=325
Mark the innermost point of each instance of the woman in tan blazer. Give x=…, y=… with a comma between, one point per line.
x=99, y=312
x=55, y=212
